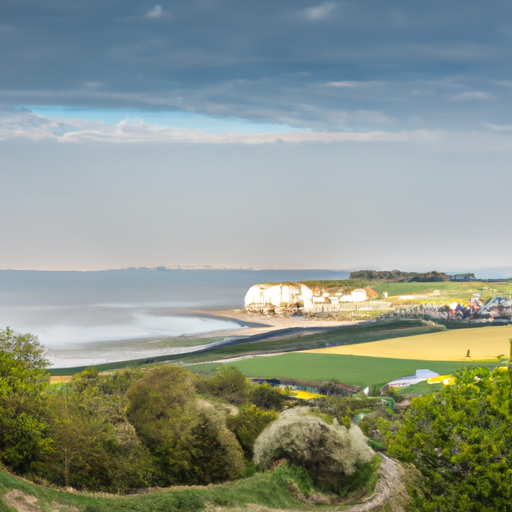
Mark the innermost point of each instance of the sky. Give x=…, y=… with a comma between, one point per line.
x=269, y=134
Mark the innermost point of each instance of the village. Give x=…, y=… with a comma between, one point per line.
x=299, y=299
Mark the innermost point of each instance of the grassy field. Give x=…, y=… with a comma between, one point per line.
x=486, y=343
x=355, y=370
x=450, y=291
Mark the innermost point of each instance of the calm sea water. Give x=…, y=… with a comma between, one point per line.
x=94, y=317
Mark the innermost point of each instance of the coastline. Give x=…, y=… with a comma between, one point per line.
x=265, y=323
x=107, y=352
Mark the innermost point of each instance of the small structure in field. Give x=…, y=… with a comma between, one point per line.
x=463, y=277
x=420, y=376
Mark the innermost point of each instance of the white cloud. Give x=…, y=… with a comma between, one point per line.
x=471, y=95
x=156, y=12
x=320, y=12
x=500, y=127
x=25, y=124
x=343, y=84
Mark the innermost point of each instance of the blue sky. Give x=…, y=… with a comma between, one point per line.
x=316, y=111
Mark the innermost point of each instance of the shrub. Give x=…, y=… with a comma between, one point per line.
x=248, y=425
x=330, y=453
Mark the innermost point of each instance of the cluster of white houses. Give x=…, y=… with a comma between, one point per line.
x=298, y=295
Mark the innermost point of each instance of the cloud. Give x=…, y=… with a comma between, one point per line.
x=471, y=95
x=25, y=124
x=500, y=127
x=217, y=58
x=156, y=12
x=320, y=12
x=343, y=84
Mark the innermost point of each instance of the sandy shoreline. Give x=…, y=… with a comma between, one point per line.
x=268, y=323
x=135, y=349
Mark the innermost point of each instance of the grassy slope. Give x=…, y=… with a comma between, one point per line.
x=263, y=489
x=355, y=370
x=270, y=490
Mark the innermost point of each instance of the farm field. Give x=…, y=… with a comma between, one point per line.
x=355, y=370
x=484, y=343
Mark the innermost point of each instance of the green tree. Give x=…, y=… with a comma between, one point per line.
x=94, y=445
x=230, y=384
x=460, y=438
x=161, y=408
x=266, y=397
x=27, y=349
x=23, y=418
x=214, y=451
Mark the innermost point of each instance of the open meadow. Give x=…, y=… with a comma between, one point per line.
x=354, y=370
x=484, y=343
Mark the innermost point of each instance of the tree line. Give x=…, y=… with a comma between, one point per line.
x=130, y=429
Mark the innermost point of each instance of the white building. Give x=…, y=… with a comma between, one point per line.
x=421, y=375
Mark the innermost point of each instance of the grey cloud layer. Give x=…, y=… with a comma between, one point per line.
x=410, y=65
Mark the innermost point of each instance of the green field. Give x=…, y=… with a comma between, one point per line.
x=354, y=370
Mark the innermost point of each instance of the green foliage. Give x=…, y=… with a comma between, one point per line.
x=262, y=489
x=363, y=481
x=287, y=472
x=248, y=424
x=397, y=276
x=460, y=438
x=192, y=446
x=266, y=397
x=229, y=383
x=23, y=379
x=337, y=388
x=26, y=348
x=393, y=393
x=213, y=450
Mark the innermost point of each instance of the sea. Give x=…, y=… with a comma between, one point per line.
x=88, y=318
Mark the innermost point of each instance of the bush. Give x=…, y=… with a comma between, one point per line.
x=330, y=453
x=229, y=383
x=266, y=397
x=248, y=424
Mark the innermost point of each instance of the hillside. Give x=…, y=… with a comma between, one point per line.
x=259, y=493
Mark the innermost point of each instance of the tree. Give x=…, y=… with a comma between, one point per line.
x=229, y=383
x=266, y=397
x=23, y=417
x=25, y=348
x=460, y=438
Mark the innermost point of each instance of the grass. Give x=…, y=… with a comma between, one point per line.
x=354, y=370
x=263, y=489
x=422, y=388
x=365, y=479
x=484, y=344
x=448, y=289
